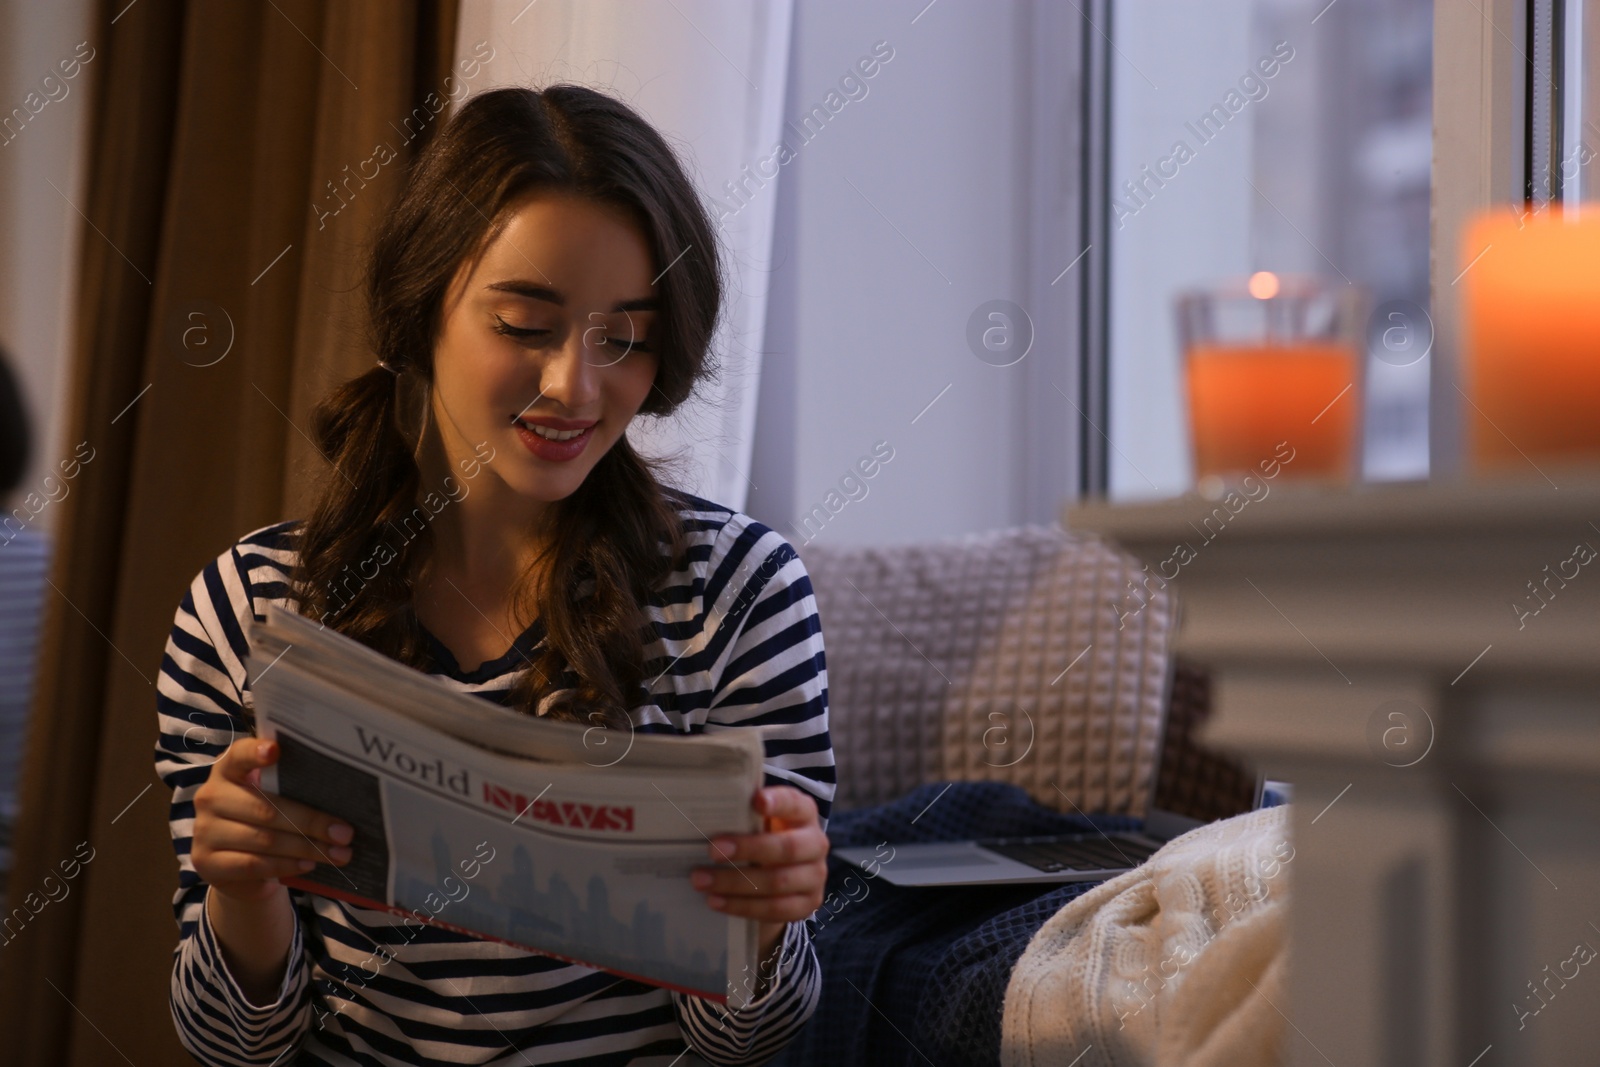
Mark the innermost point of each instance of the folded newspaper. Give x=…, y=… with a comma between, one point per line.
x=572, y=841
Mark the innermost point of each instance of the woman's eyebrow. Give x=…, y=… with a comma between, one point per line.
x=541, y=292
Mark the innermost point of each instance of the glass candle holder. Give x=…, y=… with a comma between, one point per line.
x=1273, y=369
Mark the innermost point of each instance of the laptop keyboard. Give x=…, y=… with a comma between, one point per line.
x=1072, y=853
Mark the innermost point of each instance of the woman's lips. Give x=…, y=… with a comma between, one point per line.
x=554, y=451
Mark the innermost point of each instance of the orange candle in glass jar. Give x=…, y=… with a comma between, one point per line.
x=1247, y=398
x=1531, y=338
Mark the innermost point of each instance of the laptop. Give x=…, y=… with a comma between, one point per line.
x=1076, y=857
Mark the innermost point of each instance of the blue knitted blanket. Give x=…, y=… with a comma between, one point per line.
x=917, y=976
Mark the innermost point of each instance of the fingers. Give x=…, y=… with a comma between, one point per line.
x=782, y=873
x=793, y=835
x=246, y=804
x=772, y=849
x=779, y=894
x=802, y=878
x=786, y=804
x=230, y=793
x=227, y=835
x=246, y=858
x=244, y=837
x=243, y=756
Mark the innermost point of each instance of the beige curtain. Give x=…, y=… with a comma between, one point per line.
x=219, y=299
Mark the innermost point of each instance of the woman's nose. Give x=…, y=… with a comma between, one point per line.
x=572, y=373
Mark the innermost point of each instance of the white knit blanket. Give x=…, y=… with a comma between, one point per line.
x=1179, y=962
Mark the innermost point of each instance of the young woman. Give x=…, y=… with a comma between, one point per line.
x=547, y=274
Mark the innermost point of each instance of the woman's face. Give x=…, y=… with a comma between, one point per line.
x=550, y=331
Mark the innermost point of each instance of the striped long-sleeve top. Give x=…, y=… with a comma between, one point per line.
x=738, y=643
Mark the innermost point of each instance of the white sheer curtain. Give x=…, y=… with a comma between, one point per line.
x=710, y=75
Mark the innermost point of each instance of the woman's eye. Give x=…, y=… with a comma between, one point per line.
x=523, y=333
x=501, y=326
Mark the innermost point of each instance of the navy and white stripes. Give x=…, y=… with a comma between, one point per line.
x=738, y=643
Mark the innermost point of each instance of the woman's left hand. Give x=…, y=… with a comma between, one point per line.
x=788, y=865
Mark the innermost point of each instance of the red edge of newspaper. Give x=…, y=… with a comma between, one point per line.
x=321, y=890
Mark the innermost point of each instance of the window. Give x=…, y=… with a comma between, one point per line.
x=1285, y=135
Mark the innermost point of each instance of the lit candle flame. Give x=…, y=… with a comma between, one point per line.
x=1263, y=285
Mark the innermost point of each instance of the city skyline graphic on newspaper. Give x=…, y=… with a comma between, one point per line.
x=523, y=898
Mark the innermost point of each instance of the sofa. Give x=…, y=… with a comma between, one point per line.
x=1014, y=681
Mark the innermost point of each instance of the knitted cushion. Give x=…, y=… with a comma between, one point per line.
x=950, y=660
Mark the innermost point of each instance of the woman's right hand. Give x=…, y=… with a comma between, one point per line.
x=246, y=839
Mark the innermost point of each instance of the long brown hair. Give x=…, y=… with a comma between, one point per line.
x=613, y=540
